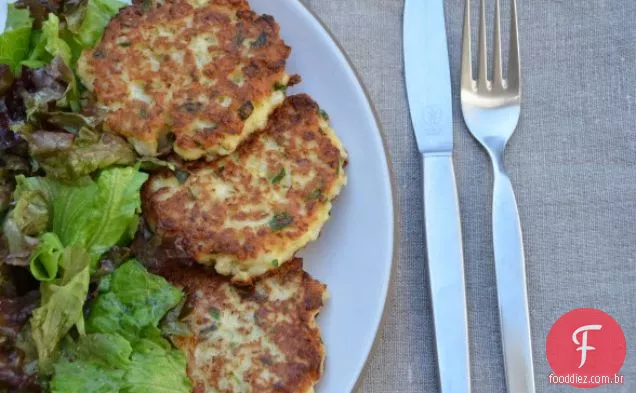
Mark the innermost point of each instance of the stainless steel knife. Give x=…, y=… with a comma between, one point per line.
x=428, y=86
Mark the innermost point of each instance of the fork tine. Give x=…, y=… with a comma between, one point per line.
x=514, y=64
x=497, y=78
x=482, y=82
x=467, y=56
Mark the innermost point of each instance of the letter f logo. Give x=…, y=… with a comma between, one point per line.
x=583, y=346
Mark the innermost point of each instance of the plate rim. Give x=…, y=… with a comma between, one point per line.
x=387, y=289
x=388, y=292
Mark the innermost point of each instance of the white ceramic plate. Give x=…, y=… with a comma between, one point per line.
x=355, y=251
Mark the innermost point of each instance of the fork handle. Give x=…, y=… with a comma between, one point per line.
x=510, y=268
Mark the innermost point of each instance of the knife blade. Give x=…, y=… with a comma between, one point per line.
x=428, y=85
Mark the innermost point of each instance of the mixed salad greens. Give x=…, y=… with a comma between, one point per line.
x=77, y=313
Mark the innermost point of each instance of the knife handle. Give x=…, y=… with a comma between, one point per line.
x=446, y=272
x=510, y=268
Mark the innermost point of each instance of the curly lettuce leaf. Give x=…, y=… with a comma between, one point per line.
x=48, y=46
x=44, y=88
x=64, y=144
x=14, y=41
x=27, y=220
x=67, y=157
x=61, y=307
x=68, y=121
x=62, y=29
x=19, y=245
x=132, y=299
x=30, y=212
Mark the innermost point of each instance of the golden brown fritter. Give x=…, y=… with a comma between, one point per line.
x=259, y=340
x=204, y=73
x=252, y=211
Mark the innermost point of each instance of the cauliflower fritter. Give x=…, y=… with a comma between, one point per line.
x=252, y=211
x=200, y=75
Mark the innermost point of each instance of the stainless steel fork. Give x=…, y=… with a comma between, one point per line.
x=491, y=111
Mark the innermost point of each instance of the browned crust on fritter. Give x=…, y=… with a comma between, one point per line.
x=296, y=335
x=133, y=34
x=296, y=128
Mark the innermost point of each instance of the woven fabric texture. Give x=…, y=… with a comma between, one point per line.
x=572, y=162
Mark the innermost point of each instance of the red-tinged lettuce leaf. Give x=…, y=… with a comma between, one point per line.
x=15, y=312
x=64, y=144
x=159, y=253
x=40, y=9
x=67, y=121
x=34, y=92
x=47, y=45
x=25, y=222
x=6, y=189
x=44, y=143
x=16, y=375
x=13, y=162
x=68, y=157
x=51, y=45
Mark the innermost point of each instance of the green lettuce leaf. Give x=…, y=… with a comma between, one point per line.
x=132, y=299
x=88, y=21
x=106, y=350
x=17, y=18
x=61, y=306
x=127, y=356
x=45, y=261
x=72, y=376
x=155, y=367
x=99, y=215
x=151, y=366
x=94, y=215
x=14, y=41
x=49, y=44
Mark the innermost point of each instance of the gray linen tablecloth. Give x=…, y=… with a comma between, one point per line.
x=572, y=161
